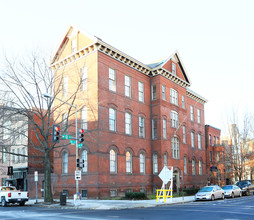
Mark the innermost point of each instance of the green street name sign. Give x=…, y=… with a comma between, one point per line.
x=73, y=142
x=80, y=145
x=65, y=136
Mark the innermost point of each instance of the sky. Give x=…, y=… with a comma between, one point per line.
x=215, y=40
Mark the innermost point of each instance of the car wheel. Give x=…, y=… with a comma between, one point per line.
x=3, y=202
x=247, y=193
x=212, y=198
x=22, y=203
x=232, y=195
x=222, y=196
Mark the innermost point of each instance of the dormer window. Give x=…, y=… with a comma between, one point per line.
x=173, y=69
x=74, y=45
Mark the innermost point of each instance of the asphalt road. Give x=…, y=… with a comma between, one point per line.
x=237, y=208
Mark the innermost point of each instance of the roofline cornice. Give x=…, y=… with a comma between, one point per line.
x=170, y=76
x=196, y=97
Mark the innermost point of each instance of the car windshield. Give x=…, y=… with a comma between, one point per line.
x=206, y=189
x=242, y=183
x=227, y=187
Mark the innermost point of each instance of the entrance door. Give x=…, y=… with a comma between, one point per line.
x=176, y=184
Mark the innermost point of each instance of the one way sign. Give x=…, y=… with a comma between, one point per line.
x=77, y=174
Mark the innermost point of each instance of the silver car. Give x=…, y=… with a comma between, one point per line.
x=210, y=193
x=232, y=191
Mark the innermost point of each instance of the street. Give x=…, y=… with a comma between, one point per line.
x=237, y=208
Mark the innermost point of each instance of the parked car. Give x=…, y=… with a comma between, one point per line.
x=232, y=191
x=210, y=193
x=246, y=187
x=9, y=194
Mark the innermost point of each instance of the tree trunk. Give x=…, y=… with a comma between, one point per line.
x=47, y=178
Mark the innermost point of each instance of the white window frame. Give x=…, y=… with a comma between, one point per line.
x=155, y=163
x=65, y=123
x=173, y=96
x=85, y=158
x=164, y=125
x=113, y=161
x=142, y=163
x=13, y=156
x=200, y=169
x=175, y=149
x=184, y=134
x=141, y=123
x=141, y=97
x=128, y=157
x=199, y=141
x=112, y=80
x=193, y=165
x=183, y=101
x=84, y=118
x=163, y=91
x=192, y=113
x=154, y=92
x=165, y=159
x=185, y=164
x=174, y=119
x=192, y=139
x=199, y=116
x=65, y=162
x=128, y=123
x=112, y=119
x=127, y=86
x=74, y=45
x=154, y=129
x=173, y=68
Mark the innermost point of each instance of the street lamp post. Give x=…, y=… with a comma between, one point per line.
x=76, y=122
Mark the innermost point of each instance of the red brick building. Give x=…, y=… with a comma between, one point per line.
x=215, y=156
x=137, y=118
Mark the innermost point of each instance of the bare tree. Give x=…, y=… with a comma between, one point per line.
x=238, y=151
x=22, y=84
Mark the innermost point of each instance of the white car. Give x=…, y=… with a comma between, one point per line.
x=9, y=194
x=210, y=193
x=232, y=191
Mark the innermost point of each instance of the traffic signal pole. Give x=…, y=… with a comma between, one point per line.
x=77, y=186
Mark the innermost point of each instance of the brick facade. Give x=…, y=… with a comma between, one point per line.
x=188, y=157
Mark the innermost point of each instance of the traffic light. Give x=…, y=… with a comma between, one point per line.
x=81, y=135
x=10, y=171
x=56, y=133
x=80, y=163
x=77, y=164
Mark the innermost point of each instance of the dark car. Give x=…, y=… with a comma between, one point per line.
x=246, y=187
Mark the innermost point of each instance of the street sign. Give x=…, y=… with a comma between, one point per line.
x=80, y=145
x=35, y=176
x=73, y=142
x=166, y=175
x=66, y=136
x=77, y=174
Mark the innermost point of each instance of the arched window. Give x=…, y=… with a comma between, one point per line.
x=193, y=167
x=175, y=148
x=112, y=119
x=174, y=119
x=65, y=163
x=165, y=159
x=142, y=162
x=128, y=162
x=155, y=163
x=173, y=96
x=128, y=123
x=200, y=167
x=113, y=161
x=84, y=157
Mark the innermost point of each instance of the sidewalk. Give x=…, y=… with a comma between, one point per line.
x=110, y=204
